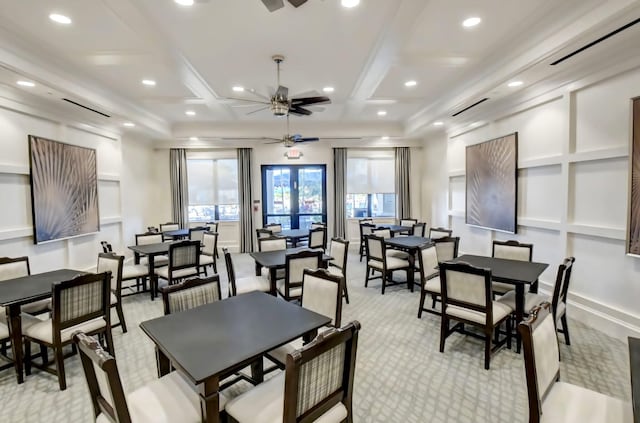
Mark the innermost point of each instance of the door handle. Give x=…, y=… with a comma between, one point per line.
x=295, y=185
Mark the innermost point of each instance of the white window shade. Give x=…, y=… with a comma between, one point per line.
x=370, y=175
x=382, y=175
x=200, y=174
x=227, y=182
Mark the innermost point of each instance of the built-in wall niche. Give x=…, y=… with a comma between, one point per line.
x=457, y=194
x=540, y=193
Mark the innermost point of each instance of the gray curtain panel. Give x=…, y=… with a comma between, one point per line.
x=244, y=196
x=339, y=190
x=179, y=186
x=403, y=192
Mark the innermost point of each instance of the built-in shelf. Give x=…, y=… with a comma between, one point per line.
x=603, y=154
x=528, y=222
x=457, y=173
x=456, y=213
x=25, y=170
x=112, y=177
x=111, y=220
x=598, y=231
x=14, y=233
x=540, y=162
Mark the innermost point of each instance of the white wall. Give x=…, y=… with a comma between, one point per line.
x=572, y=199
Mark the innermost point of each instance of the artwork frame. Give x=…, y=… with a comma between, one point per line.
x=491, y=184
x=64, y=190
x=632, y=242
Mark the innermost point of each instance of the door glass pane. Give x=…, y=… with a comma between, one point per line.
x=278, y=191
x=285, y=221
x=310, y=191
x=306, y=221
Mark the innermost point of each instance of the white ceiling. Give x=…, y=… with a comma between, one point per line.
x=196, y=54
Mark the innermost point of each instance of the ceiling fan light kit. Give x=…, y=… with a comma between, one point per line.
x=274, y=5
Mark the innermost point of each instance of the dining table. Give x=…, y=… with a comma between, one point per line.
x=409, y=244
x=14, y=293
x=176, y=234
x=293, y=235
x=395, y=229
x=224, y=337
x=151, y=251
x=634, y=364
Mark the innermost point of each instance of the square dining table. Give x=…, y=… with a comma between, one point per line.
x=410, y=244
x=213, y=341
x=293, y=235
x=151, y=251
x=395, y=229
x=14, y=293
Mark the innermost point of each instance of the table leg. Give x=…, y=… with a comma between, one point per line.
x=15, y=331
x=258, y=269
x=153, y=279
x=136, y=258
x=534, y=287
x=410, y=271
x=209, y=400
x=272, y=280
x=163, y=363
x=309, y=336
x=519, y=312
x=257, y=370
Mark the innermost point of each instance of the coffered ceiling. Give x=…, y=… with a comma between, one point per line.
x=196, y=54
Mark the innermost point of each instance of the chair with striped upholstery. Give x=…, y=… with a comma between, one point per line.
x=246, y=284
x=317, y=384
x=184, y=260
x=190, y=293
x=111, y=262
x=197, y=233
x=274, y=227
x=408, y=222
x=169, y=226
x=418, y=229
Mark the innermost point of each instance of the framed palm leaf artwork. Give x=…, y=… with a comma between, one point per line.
x=492, y=185
x=64, y=190
x=633, y=231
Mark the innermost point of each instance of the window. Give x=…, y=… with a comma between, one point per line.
x=370, y=185
x=213, y=188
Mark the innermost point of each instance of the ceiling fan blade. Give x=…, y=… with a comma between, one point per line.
x=246, y=100
x=299, y=111
x=313, y=139
x=273, y=5
x=258, y=110
x=312, y=93
x=310, y=100
x=237, y=106
x=297, y=3
x=274, y=142
x=282, y=92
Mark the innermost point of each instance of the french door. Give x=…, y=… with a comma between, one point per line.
x=294, y=195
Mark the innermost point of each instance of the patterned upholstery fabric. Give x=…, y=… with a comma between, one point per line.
x=499, y=311
x=511, y=252
x=445, y=250
x=186, y=299
x=546, y=353
x=392, y=263
x=80, y=300
x=43, y=329
x=14, y=270
x=252, y=283
x=466, y=287
x=319, y=378
x=184, y=255
x=320, y=295
x=273, y=244
x=4, y=331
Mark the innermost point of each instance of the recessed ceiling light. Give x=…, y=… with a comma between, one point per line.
x=193, y=138
x=410, y=83
x=184, y=2
x=190, y=113
x=438, y=123
x=350, y=3
x=238, y=89
x=129, y=124
x=382, y=112
x=149, y=82
x=26, y=83
x=514, y=84
x=61, y=19
x=470, y=22
x=385, y=137
x=328, y=89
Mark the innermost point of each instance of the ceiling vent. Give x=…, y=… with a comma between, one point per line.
x=594, y=42
x=470, y=107
x=86, y=107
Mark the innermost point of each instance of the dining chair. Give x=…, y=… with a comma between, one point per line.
x=322, y=294
x=113, y=263
x=318, y=238
x=435, y=233
x=106, y=247
x=429, y=278
x=169, y=226
x=184, y=260
x=317, y=384
x=558, y=299
x=511, y=250
x=213, y=227
x=467, y=299
x=378, y=260
x=382, y=232
x=366, y=229
x=5, y=340
x=81, y=303
x=551, y=400
x=196, y=234
x=408, y=222
x=446, y=248
x=274, y=227
x=338, y=263
x=246, y=284
x=170, y=398
x=315, y=225
x=148, y=238
x=190, y=293
x=272, y=243
x=17, y=267
x=208, y=251
x=290, y=288
x=137, y=272
x=418, y=229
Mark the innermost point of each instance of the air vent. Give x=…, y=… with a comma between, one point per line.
x=593, y=43
x=86, y=107
x=469, y=107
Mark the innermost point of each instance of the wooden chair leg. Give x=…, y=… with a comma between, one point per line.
x=215, y=266
x=59, y=358
x=44, y=355
x=109, y=342
x=120, y=312
x=444, y=328
x=509, y=332
x=346, y=291
x=423, y=296
x=384, y=281
x=27, y=357
x=366, y=278
x=487, y=350
x=565, y=329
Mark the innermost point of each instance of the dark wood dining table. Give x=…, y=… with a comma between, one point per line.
x=151, y=251
x=293, y=235
x=274, y=260
x=395, y=229
x=176, y=234
x=411, y=245
x=224, y=337
x=17, y=292
x=634, y=364
x=520, y=274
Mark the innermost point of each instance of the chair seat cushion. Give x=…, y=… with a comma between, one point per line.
x=158, y=261
x=113, y=299
x=205, y=259
x=4, y=331
x=392, y=263
x=571, y=403
x=433, y=285
x=36, y=306
x=265, y=404
x=530, y=300
x=500, y=311
x=561, y=309
x=279, y=273
x=280, y=354
x=176, y=274
x=42, y=330
x=252, y=283
x=134, y=271
x=335, y=270
x=397, y=254
x=295, y=291
x=501, y=288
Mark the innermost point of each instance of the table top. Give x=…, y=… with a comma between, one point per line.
x=226, y=333
x=395, y=228
x=293, y=233
x=149, y=249
x=277, y=258
x=509, y=271
x=634, y=364
x=177, y=232
x=407, y=242
x=31, y=288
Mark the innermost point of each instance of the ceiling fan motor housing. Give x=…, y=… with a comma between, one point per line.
x=279, y=108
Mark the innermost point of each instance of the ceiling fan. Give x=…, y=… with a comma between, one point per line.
x=274, y=5
x=289, y=140
x=280, y=103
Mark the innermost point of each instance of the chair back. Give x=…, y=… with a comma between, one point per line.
x=428, y=262
x=375, y=248
x=106, y=247
x=408, y=222
x=111, y=262
x=231, y=273
x=274, y=227
x=561, y=288
x=103, y=379
x=149, y=238
x=83, y=298
x=295, y=265
x=541, y=356
x=196, y=234
x=365, y=220
x=467, y=286
x=418, y=229
x=322, y=293
x=11, y=268
x=209, y=243
x=318, y=237
x=339, y=250
x=213, y=226
x=321, y=374
x=435, y=233
x=184, y=255
x=315, y=225
x=272, y=243
x=366, y=228
x=263, y=233
x=190, y=294
x=153, y=229
x=447, y=248
x=512, y=250
x=169, y=226
x=382, y=233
